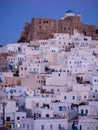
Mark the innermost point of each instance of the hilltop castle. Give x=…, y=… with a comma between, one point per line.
x=44, y=28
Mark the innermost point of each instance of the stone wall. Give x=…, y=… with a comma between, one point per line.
x=44, y=28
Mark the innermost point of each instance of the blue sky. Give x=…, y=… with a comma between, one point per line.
x=15, y=13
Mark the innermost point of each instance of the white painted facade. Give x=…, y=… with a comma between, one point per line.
x=5, y=74
x=86, y=123
x=56, y=78
x=44, y=123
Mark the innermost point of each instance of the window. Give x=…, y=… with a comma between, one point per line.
x=8, y=119
x=86, y=112
x=60, y=108
x=84, y=96
x=59, y=74
x=58, y=90
x=18, y=118
x=45, y=21
x=82, y=112
x=40, y=27
x=42, y=127
x=65, y=97
x=96, y=127
x=80, y=127
x=84, y=32
x=94, y=80
x=47, y=115
x=14, y=90
x=51, y=126
x=27, y=126
x=59, y=126
x=73, y=97
x=96, y=31
x=85, y=39
x=37, y=104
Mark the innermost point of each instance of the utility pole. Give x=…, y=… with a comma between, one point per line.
x=3, y=105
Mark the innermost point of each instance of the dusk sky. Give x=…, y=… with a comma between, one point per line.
x=15, y=13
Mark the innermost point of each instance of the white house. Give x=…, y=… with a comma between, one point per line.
x=44, y=124
x=5, y=74
x=88, y=123
x=12, y=115
x=56, y=78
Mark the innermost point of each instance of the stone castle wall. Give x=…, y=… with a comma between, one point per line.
x=43, y=28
